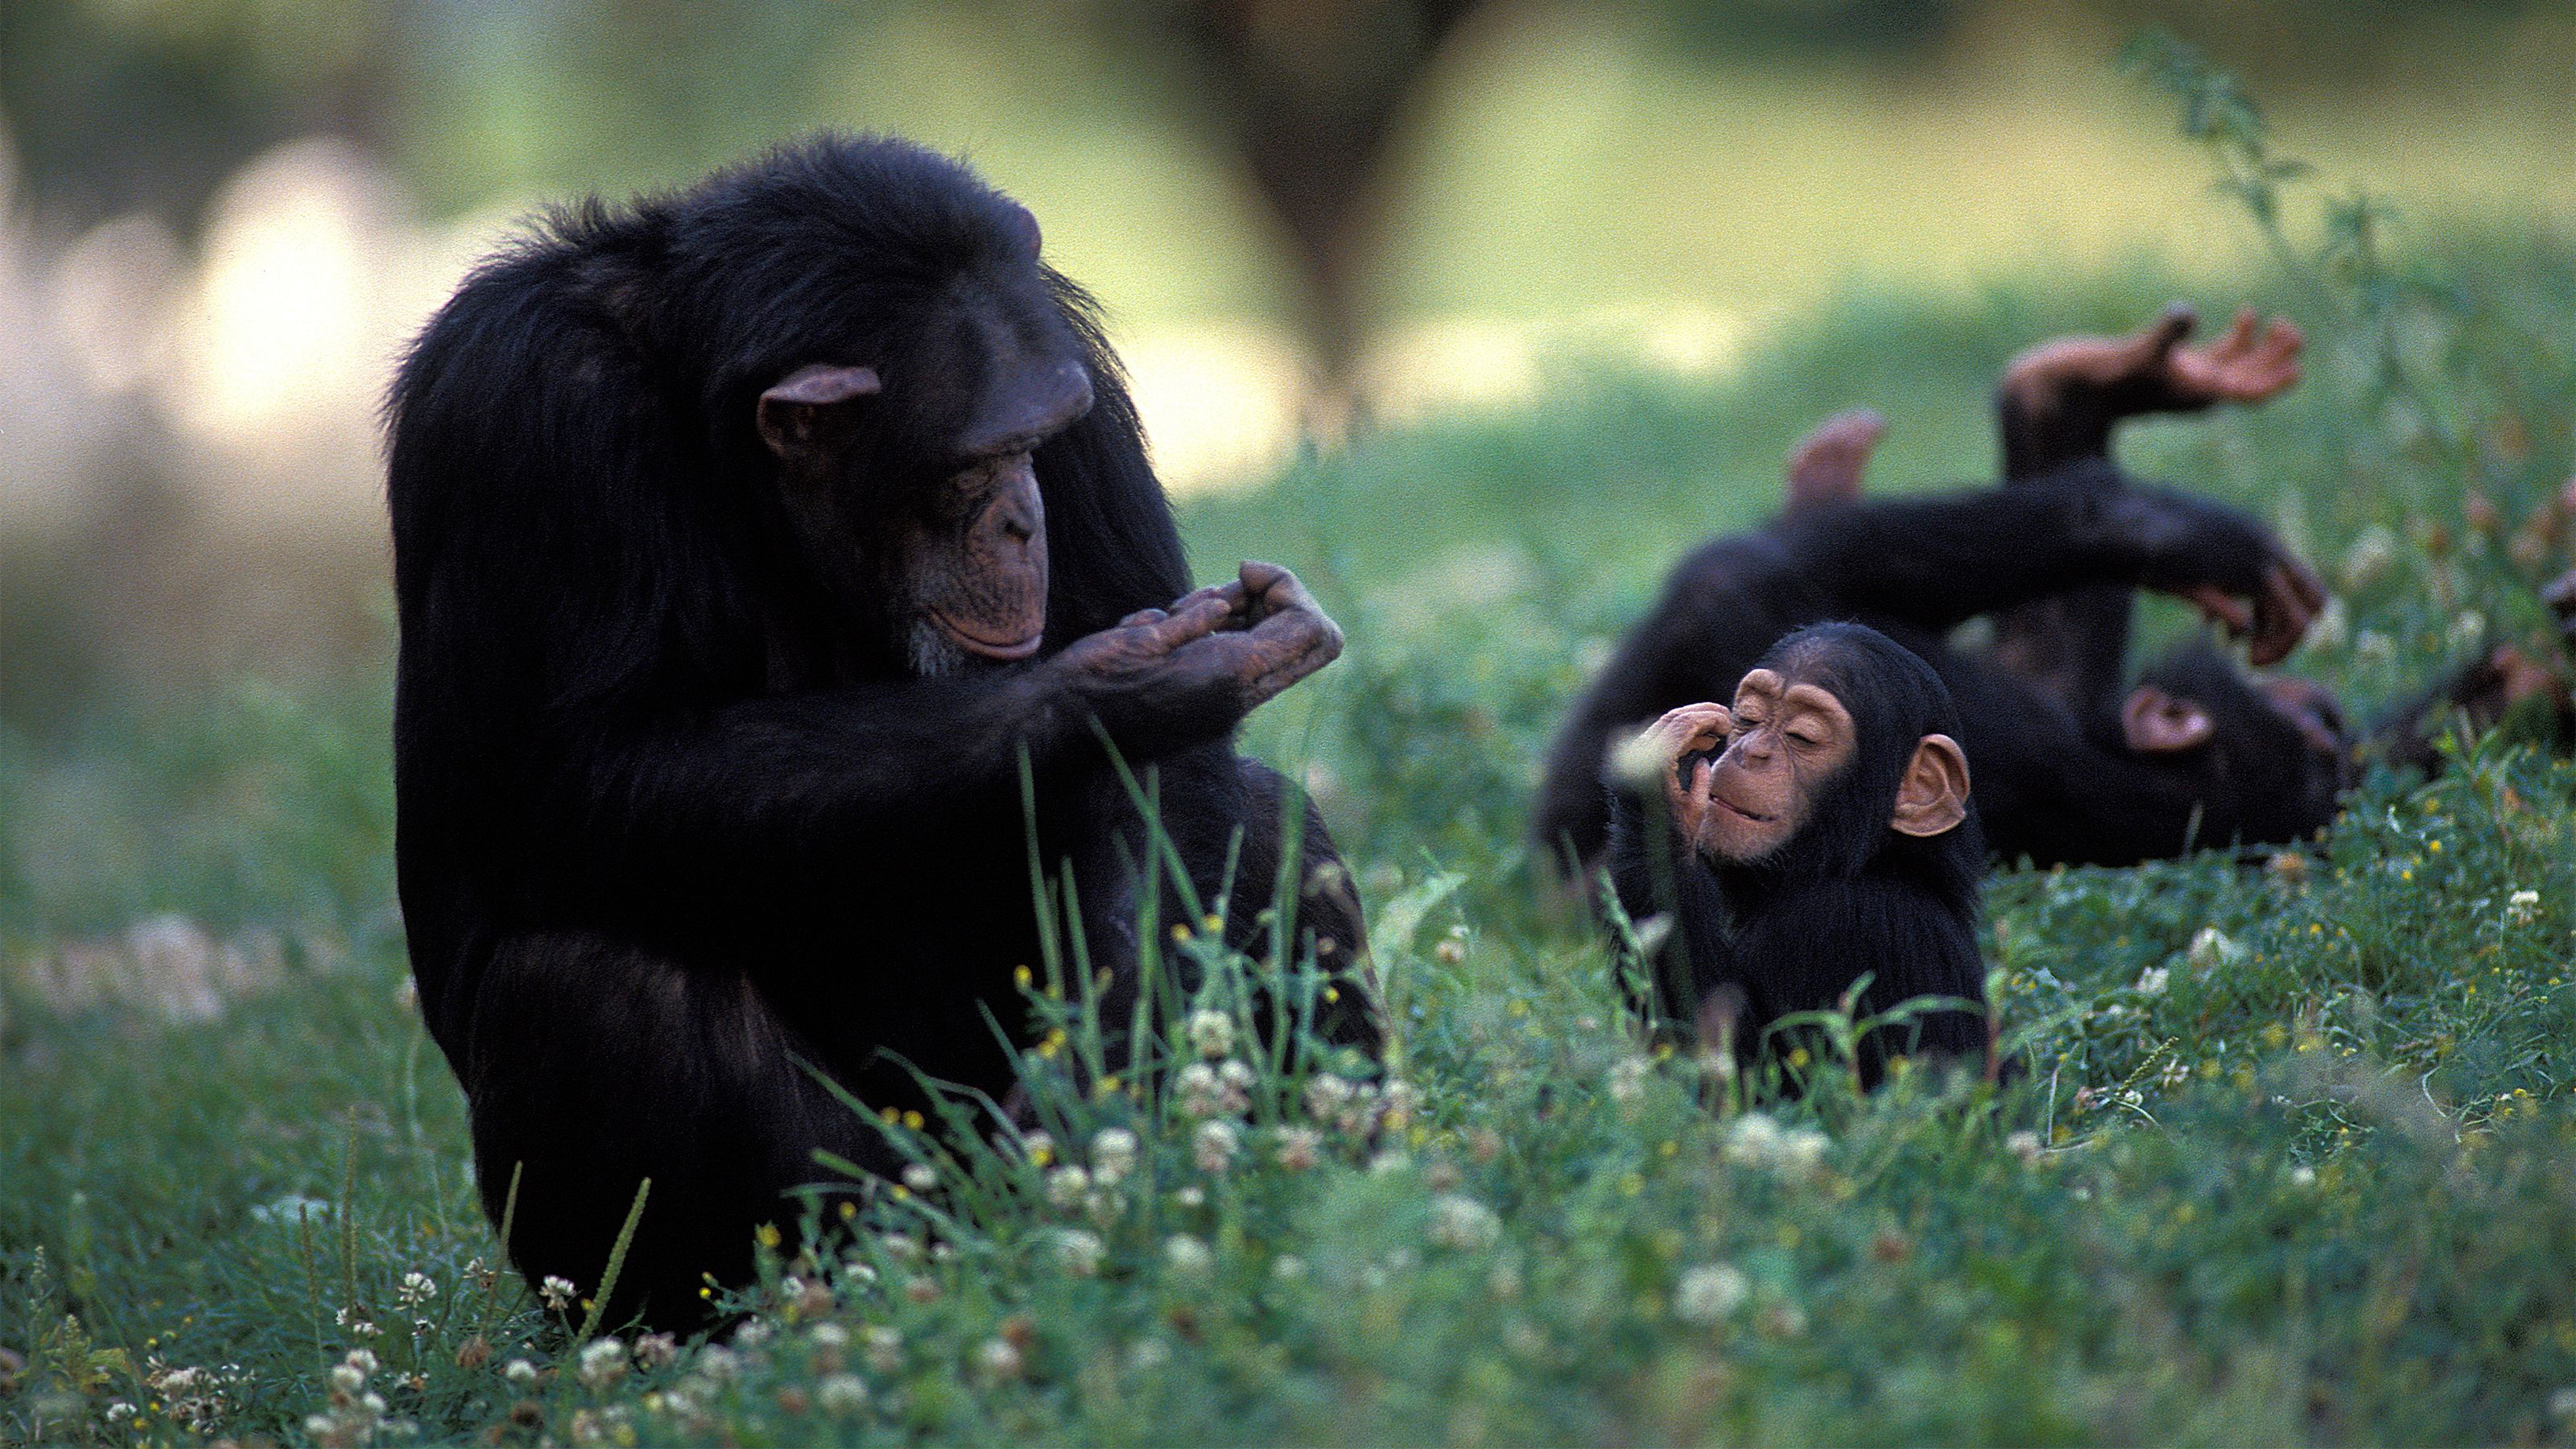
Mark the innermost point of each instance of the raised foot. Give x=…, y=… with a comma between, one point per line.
x=2152, y=371
x=1826, y=465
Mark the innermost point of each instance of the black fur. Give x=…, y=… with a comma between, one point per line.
x=2052, y=782
x=1846, y=897
x=676, y=821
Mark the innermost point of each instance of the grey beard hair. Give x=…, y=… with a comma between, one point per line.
x=932, y=653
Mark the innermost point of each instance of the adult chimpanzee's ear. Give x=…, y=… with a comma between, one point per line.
x=1933, y=797
x=809, y=410
x=2157, y=723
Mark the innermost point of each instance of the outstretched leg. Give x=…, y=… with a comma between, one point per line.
x=2057, y=404
x=1826, y=465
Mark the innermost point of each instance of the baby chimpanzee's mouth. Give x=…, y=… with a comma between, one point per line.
x=1740, y=810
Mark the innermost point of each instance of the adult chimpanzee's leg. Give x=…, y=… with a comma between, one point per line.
x=2057, y=406
x=569, y=1035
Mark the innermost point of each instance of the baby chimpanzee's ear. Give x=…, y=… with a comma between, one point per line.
x=1933, y=797
x=2156, y=723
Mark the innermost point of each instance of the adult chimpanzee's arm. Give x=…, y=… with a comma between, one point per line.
x=2059, y=401
x=1936, y=562
x=763, y=781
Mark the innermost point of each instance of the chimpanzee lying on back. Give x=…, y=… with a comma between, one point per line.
x=1815, y=833
x=2069, y=768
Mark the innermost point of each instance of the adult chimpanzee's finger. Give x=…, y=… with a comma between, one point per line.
x=1271, y=590
x=1143, y=616
x=1192, y=617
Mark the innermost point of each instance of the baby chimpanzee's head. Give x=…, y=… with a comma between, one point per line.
x=2267, y=759
x=1842, y=750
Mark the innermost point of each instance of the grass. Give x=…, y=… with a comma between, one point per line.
x=2296, y=1159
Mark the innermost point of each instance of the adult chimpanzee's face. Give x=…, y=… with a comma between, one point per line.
x=910, y=478
x=1788, y=743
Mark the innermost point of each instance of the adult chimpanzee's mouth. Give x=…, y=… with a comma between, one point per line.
x=974, y=643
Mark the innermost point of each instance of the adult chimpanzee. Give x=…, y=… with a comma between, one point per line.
x=750, y=543
x=2070, y=768
x=1816, y=832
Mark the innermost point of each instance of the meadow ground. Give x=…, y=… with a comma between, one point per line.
x=2295, y=1159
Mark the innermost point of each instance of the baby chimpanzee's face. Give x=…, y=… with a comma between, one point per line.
x=1788, y=741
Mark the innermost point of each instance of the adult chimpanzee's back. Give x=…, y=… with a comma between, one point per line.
x=747, y=541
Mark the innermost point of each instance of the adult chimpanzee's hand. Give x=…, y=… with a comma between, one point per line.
x=1211, y=658
x=2224, y=563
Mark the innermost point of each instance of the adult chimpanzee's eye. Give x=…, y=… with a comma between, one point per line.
x=1807, y=739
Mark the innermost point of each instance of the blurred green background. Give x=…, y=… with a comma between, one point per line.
x=1307, y=217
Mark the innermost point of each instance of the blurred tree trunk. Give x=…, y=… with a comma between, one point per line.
x=1308, y=96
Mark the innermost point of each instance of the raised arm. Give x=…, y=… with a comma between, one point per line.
x=1936, y=562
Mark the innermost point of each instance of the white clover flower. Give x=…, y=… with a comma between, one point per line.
x=825, y=1335
x=1038, y=1148
x=921, y=1177
x=998, y=1359
x=841, y=1394
x=1187, y=1257
x=1709, y=1292
x=719, y=1362
x=1236, y=1079
x=2023, y=1144
x=415, y=1289
x=1326, y=1096
x=347, y=1379
x=1402, y=1101
x=2209, y=950
x=2303, y=1175
x=1113, y=1153
x=520, y=1371
x=1752, y=1139
x=557, y=1292
x=1066, y=1186
x=1200, y=1093
x=1299, y=1147
x=1215, y=1144
x=2522, y=908
x=1212, y=1033
x=1287, y=1267
x=363, y=1360
x=1079, y=1252
x=753, y=1334
x=2466, y=630
x=1801, y=1149
x=2563, y=1402
x=1459, y=1221
x=1148, y=1354
x=1389, y=1160
x=902, y=1247
x=883, y=1347
x=2151, y=982
x=120, y=1411
x=2369, y=557
x=1190, y=1195
x=602, y=1362
x=1628, y=1078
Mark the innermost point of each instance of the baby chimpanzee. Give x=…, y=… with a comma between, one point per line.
x=1815, y=833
